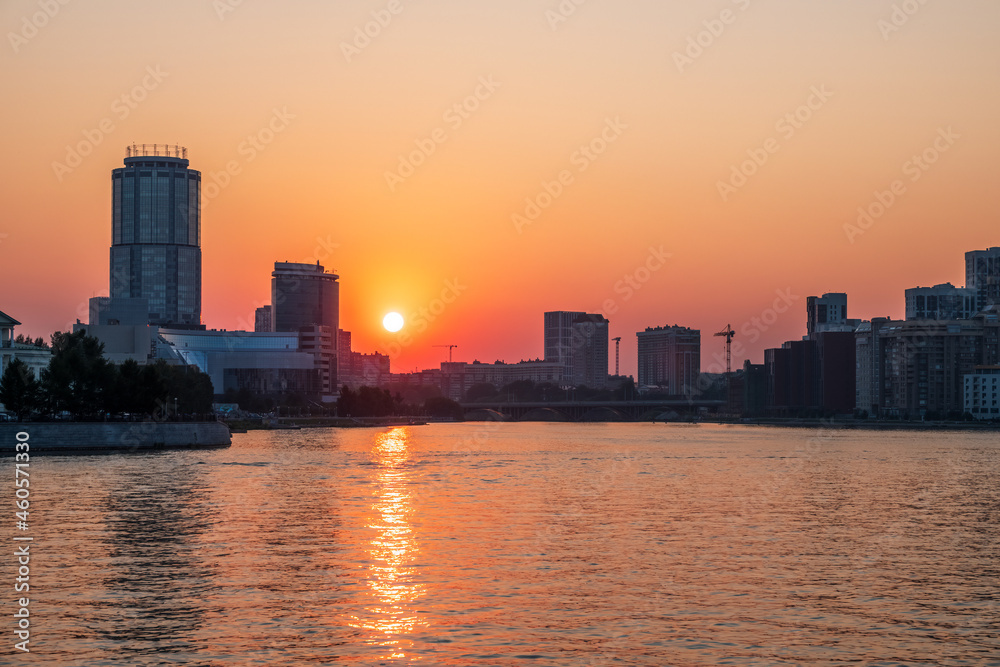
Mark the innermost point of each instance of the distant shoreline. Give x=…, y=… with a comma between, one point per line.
x=290, y=424
x=859, y=425
x=846, y=424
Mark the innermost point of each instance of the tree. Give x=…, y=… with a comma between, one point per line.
x=626, y=390
x=192, y=389
x=347, y=403
x=130, y=395
x=519, y=390
x=79, y=380
x=367, y=402
x=444, y=408
x=19, y=390
x=480, y=391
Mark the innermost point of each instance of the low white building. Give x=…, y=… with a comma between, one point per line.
x=982, y=393
x=37, y=358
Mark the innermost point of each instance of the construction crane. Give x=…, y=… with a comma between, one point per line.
x=728, y=333
x=450, y=348
x=618, y=342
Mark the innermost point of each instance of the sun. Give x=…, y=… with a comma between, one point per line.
x=393, y=322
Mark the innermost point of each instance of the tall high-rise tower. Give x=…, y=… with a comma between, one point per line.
x=156, y=235
x=982, y=274
x=303, y=296
x=579, y=341
x=670, y=357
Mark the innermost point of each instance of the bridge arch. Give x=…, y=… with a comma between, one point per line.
x=486, y=415
x=604, y=414
x=544, y=415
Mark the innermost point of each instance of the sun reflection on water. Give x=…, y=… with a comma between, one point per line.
x=392, y=550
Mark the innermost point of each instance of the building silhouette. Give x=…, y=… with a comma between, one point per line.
x=304, y=295
x=305, y=299
x=578, y=341
x=826, y=313
x=156, y=238
x=262, y=319
x=941, y=302
x=982, y=275
x=914, y=368
x=670, y=358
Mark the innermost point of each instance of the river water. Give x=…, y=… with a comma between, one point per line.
x=521, y=544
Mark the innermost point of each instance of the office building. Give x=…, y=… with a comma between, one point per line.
x=982, y=275
x=264, y=363
x=304, y=295
x=261, y=362
x=941, y=302
x=122, y=310
x=156, y=237
x=579, y=342
x=670, y=359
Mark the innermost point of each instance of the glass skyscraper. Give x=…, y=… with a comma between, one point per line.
x=156, y=234
x=304, y=296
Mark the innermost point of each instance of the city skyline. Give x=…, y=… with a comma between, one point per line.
x=302, y=152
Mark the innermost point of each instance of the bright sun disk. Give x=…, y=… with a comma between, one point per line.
x=393, y=322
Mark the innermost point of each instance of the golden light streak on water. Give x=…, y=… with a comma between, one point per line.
x=392, y=551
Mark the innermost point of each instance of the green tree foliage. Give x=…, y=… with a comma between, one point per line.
x=19, y=390
x=79, y=380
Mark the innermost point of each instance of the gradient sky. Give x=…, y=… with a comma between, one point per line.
x=319, y=188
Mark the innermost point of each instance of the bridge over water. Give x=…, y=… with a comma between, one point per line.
x=635, y=410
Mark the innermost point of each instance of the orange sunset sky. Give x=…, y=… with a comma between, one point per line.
x=668, y=119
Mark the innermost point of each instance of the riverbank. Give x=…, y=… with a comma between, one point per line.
x=98, y=437
x=858, y=424
x=292, y=423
